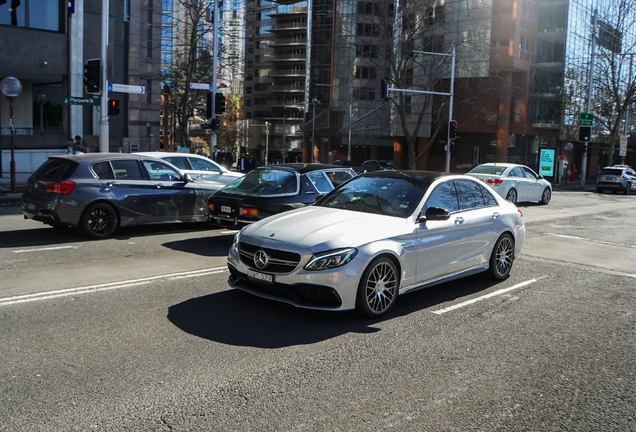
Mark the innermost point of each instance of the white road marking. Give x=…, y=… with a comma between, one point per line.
x=103, y=287
x=44, y=249
x=492, y=294
x=591, y=241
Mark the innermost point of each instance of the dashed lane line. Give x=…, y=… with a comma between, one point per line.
x=107, y=286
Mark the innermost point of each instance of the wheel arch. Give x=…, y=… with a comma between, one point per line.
x=102, y=201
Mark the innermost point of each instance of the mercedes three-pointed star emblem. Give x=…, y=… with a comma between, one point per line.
x=261, y=259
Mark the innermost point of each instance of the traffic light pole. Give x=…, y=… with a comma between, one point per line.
x=589, y=97
x=104, y=131
x=215, y=48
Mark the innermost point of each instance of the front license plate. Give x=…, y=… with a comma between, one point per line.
x=226, y=209
x=261, y=277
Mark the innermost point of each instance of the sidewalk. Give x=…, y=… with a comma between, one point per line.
x=6, y=196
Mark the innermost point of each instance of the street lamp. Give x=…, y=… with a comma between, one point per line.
x=11, y=88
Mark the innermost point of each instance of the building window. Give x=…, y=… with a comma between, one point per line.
x=148, y=91
x=368, y=51
x=367, y=29
x=364, y=72
x=42, y=14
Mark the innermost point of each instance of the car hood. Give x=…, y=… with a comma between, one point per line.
x=321, y=228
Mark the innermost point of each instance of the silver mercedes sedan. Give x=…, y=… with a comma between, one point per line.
x=377, y=236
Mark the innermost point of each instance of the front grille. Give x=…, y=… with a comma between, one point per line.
x=279, y=261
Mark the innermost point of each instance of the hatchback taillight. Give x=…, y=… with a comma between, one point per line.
x=495, y=182
x=63, y=188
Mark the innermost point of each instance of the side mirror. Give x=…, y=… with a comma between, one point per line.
x=433, y=213
x=186, y=178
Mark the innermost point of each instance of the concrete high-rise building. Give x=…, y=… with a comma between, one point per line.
x=45, y=45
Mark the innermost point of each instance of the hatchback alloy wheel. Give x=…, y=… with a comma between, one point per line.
x=378, y=288
x=99, y=220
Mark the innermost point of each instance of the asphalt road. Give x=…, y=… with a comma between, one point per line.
x=141, y=333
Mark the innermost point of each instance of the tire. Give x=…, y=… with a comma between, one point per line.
x=512, y=196
x=99, y=221
x=628, y=189
x=502, y=257
x=378, y=288
x=546, y=196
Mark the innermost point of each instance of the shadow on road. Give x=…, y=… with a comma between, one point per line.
x=210, y=246
x=44, y=235
x=236, y=318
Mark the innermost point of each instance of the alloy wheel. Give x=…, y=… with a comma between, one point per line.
x=504, y=255
x=380, y=287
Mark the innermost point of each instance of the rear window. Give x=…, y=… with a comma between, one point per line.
x=488, y=169
x=614, y=172
x=56, y=169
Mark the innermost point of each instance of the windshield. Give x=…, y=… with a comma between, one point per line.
x=488, y=169
x=379, y=195
x=264, y=182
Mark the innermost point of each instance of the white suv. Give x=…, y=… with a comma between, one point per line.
x=616, y=178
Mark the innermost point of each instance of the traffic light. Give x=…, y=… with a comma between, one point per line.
x=452, y=130
x=384, y=89
x=215, y=124
x=93, y=76
x=219, y=103
x=585, y=133
x=113, y=107
x=208, y=106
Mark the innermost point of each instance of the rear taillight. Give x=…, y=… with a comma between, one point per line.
x=495, y=182
x=520, y=214
x=210, y=206
x=63, y=188
x=248, y=211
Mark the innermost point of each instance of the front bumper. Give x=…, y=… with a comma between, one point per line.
x=333, y=289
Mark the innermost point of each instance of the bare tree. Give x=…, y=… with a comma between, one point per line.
x=614, y=81
x=393, y=42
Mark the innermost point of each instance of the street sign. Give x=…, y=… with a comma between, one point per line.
x=123, y=88
x=200, y=86
x=586, y=119
x=623, y=148
x=81, y=101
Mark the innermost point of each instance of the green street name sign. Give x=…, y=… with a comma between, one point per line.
x=586, y=119
x=81, y=101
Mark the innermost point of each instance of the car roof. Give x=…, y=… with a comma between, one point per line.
x=503, y=164
x=421, y=178
x=161, y=154
x=303, y=168
x=100, y=156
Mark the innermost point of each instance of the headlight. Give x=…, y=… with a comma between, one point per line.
x=331, y=259
x=235, y=243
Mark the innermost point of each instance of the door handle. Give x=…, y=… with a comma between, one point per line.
x=459, y=220
x=111, y=184
x=496, y=215
x=160, y=185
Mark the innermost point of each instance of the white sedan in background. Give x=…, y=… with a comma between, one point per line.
x=516, y=183
x=198, y=167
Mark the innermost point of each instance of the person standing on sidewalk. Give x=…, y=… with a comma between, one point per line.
x=573, y=173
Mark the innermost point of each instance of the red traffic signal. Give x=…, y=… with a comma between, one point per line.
x=452, y=130
x=113, y=107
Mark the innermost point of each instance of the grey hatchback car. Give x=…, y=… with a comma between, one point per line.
x=99, y=192
x=616, y=178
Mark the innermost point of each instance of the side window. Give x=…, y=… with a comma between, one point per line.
x=320, y=182
x=103, y=171
x=516, y=172
x=338, y=177
x=161, y=171
x=489, y=199
x=470, y=196
x=443, y=196
x=529, y=174
x=179, y=161
x=127, y=170
x=203, y=165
